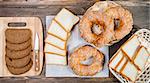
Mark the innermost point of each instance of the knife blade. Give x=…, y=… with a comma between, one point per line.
x=36, y=52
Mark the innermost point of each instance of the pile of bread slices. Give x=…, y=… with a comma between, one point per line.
x=57, y=36
x=130, y=59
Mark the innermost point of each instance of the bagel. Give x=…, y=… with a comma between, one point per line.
x=95, y=26
x=83, y=53
x=102, y=6
x=104, y=23
x=123, y=21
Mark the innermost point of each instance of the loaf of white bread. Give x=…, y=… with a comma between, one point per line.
x=57, y=35
x=130, y=59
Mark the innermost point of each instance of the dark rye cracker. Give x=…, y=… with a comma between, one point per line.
x=17, y=35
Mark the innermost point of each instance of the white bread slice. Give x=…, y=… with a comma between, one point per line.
x=121, y=64
x=55, y=59
x=115, y=60
x=141, y=58
x=131, y=46
x=56, y=42
x=54, y=50
x=57, y=31
x=66, y=19
x=129, y=71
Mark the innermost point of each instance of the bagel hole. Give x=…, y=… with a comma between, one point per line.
x=88, y=61
x=116, y=23
x=97, y=29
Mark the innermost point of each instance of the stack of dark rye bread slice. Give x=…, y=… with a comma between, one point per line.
x=18, y=50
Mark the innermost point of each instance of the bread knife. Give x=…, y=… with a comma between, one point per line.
x=36, y=52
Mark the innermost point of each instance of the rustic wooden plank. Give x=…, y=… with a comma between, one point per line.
x=53, y=80
x=72, y=80
x=14, y=0
x=68, y=2
x=45, y=2
x=8, y=80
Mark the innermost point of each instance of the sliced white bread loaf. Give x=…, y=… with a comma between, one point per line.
x=141, y=58
x=55, y=42
x=56, y=30
x=129, y=71
x=55, y=59
x=66, y=19
x=130, y=47
x=54, y=50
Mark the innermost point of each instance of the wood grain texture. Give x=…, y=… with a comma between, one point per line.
x=43, y=8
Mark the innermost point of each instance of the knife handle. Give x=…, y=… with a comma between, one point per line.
x=37, y=61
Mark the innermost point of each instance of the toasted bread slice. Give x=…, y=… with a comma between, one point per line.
x=66, y=19
x=115, y=60
x=129, y=71
x=130, y=47
x=54, y=50
x=57, y=31
x=141, y=58
x=55, y=59
x=56, y=42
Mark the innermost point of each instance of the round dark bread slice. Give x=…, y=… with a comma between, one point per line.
x=18, y=54
x=17, y=35
x=18, y=62
x=22, y=70
x=20, y=46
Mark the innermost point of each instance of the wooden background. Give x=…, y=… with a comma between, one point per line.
x=42, y=8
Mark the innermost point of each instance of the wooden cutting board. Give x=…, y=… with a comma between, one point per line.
x=32, y=23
